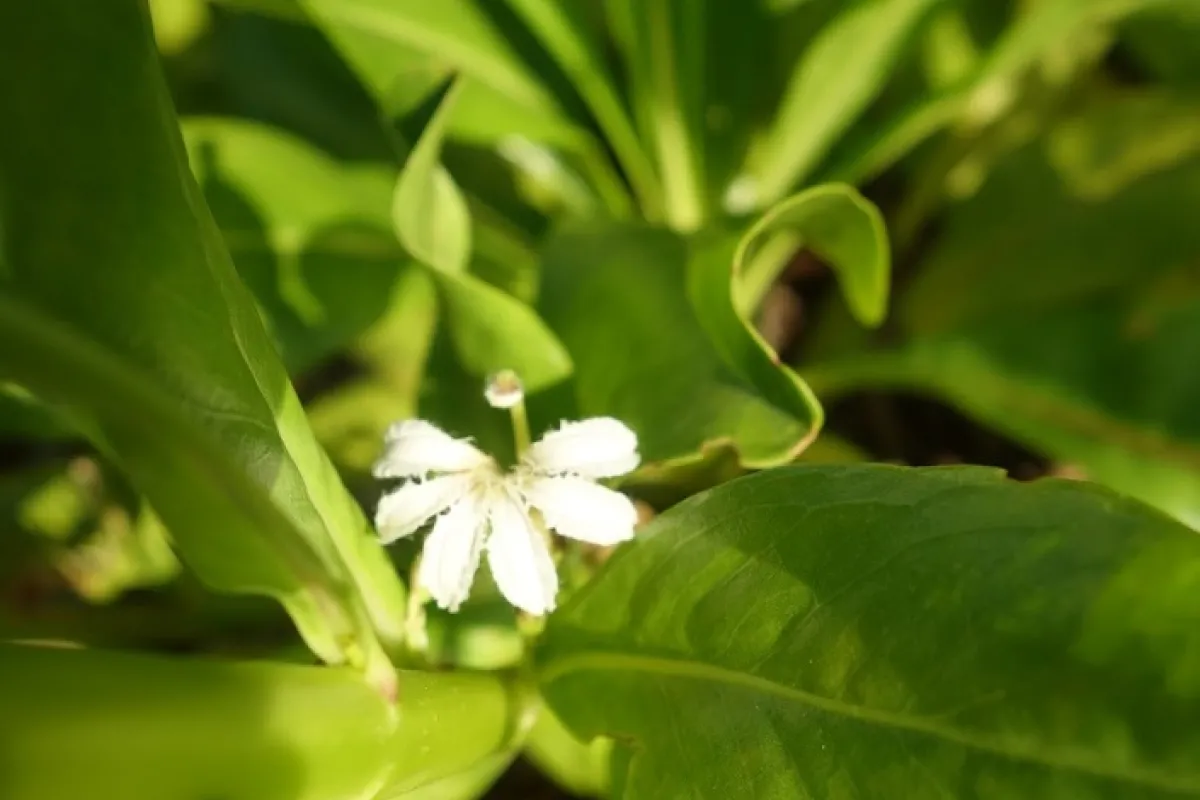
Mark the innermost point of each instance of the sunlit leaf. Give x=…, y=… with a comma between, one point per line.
x=428, y=210
x=89, y=723
x=138, y=323
x=883, y=632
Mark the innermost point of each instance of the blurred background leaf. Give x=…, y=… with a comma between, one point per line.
x=1060, y=305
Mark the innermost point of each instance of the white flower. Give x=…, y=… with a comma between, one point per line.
x=479, y=508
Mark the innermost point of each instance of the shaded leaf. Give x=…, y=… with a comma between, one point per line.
x=22, y=416
x=1165, y=40
x=685, y=377
x=310, y=237
x=388, y=41
x=885, y=632
x=1062, y=303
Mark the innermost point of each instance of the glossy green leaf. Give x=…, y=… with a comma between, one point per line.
x=81, y=723
x=842, y=70
x=882, y=632
x=138, y=322
x=311, y=238
x=429, y=212
x=681, y=367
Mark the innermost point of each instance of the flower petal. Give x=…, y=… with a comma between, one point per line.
x=582, y=510
x=451, y=555
x=601, y=447
x=415, y=447
x=402, y=511
x=519, y=558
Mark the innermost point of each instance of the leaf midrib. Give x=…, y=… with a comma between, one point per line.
x=1055, y=758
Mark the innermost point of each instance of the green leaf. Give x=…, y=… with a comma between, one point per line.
x=841, y=227
x=387, y=41
x=843, y=69
x=1165, y=41
x=81, y=723
x=566, y=36
x=287, y=75
x=579, y=768
x=1071, y=321
x=310, y=237
x=178, y=23
x=22, y=416
x=137, y=321
x=883, y=632
x=490, y=329
x=681, y=367
x=1033, y=36
x=664, y=53
x=469, y=784
x=429, y=212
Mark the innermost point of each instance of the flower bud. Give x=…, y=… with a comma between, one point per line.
x=504, y=389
